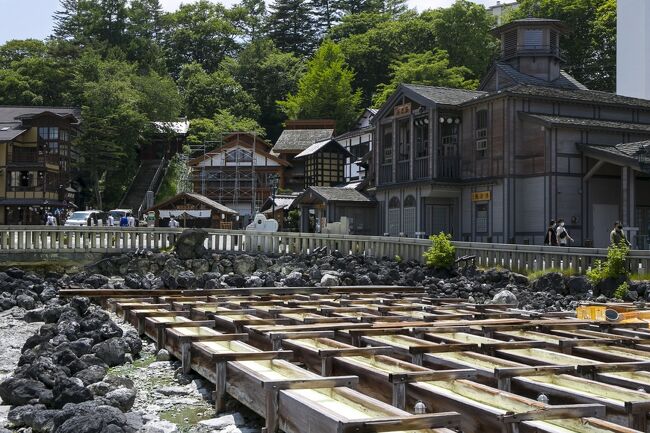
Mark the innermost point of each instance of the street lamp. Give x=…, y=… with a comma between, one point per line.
x=273, y=183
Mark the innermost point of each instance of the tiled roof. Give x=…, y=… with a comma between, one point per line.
x=199, y=198
x=565, y=81
x=300, y=139
x=588, y=123
x=9, y=131
x=339, y=194
x=579, y=95
x=444, y=95
x=11, y=113
x=314, y=148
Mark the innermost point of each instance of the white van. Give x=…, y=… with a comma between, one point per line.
x=85, y=218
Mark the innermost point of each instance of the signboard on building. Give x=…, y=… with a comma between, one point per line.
x=402, y=110
x=481, y=196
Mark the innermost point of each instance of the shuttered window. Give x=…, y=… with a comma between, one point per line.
x=393, y=216
x=410, y=216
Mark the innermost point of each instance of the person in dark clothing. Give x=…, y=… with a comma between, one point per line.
x=551, y=236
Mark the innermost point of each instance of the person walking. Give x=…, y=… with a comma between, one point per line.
x=131, y=220
x=617, y=235
x=563, y=237
x=172, y=222
x=110, y=220
x=551, y=237
x=124, y=221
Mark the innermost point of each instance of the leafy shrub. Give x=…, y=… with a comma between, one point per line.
x=614, y=267
x=621, y=291
x=398, y=259
x=535, y=275
x=442, y=253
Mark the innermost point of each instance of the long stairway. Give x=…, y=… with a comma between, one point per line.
x=140, y=185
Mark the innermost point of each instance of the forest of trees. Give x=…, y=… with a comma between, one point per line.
x=252, y=66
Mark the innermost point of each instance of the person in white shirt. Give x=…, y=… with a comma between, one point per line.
x=172, y=222
x=131, y=220
x=111, y=220
x=563, y=237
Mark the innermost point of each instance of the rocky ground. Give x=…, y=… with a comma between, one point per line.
x=67, y=366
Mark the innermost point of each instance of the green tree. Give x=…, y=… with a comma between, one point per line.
x=206, y=93
x=325, y=91
x=19, y=49
x=203, y=130
x=463, y=30
x=252, y=18
x=268, y=75
x=357, y=24
x=590, y=47
x=375, y=50
x=201, y=32
x=350, y=7
x=430, y=68
x=118, y=106
x=291, y=26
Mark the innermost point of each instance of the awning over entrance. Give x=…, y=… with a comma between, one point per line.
x=633, y=155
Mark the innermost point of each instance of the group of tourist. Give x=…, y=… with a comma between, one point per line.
x=558, y=236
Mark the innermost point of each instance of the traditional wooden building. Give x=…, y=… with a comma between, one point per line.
x=238, y=173
x=320, y=206
x=530, y=145
x=36, y=157
x=297, y=137
x=324, y=163
x=194, y=210
x=358, y=141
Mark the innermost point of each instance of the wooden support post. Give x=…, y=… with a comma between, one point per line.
x=220, y=391
x=399, y=395
x=504, y=384
x=417, y=358
x=186, y=355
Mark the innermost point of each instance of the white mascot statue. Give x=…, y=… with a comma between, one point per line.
x=262, y=224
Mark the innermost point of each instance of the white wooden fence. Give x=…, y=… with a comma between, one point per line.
x=47, y=239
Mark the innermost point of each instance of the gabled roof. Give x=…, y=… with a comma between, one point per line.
x=297, y=140
x=317, y=147
x=12, y=113
x=197, y=198
x=443, y=95
x=335, y=194
x=9, y=131
x=578, y=122
x=577, y=95
x=564, y=81
x=429, y=96
x=264, y=152
x=282, y=201
x=627, y=154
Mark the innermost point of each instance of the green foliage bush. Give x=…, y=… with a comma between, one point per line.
x=442, y=253
x=614, y=267
x=622, y=290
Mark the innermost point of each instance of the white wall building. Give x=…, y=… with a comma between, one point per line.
x=632, y=48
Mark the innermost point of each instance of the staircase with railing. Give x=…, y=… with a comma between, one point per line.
x=148, y=178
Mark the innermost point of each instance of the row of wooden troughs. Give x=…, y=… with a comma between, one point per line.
x=366, y=359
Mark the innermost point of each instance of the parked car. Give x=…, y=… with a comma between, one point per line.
x=119, y=213
x=84, y=218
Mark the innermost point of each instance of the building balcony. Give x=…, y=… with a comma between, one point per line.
x=403, y=171
x=386, y=173
x=421, y=169
x=29, y=157
x=449, y=167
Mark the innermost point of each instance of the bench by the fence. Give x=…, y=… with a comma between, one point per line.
x=47, y=239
